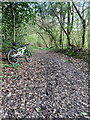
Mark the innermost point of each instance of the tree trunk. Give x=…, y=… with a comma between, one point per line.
x=61, y=37
x=13, y=19
x=83, y=36
x=83, y=24
x=62, y=40
x=68, y=38
x=68, y=19
x=43, y=39
x=68, y=24
x=55, y=43
x=60, y=26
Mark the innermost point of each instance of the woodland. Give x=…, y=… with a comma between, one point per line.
x=55, y=83
x=60, y=26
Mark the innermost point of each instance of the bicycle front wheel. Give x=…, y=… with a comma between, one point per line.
x=11, y=57
x=28, y=57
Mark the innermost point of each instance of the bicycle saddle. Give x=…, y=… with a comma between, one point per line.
x=13, y=43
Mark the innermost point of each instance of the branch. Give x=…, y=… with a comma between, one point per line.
x=42, y=38
x=77, y=11
x=59, y=20
x=45, y=29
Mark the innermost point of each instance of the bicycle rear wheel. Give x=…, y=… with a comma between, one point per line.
x=11, y=58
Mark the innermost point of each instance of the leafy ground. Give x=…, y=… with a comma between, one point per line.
x=53, y=85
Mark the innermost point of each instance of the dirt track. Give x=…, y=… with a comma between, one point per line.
x=51, y=86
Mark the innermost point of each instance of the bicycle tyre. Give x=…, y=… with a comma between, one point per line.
x=28, y=57
x=12, y=60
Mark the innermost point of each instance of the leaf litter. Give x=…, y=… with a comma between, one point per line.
x=48, y=87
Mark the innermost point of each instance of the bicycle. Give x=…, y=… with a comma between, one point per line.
x=16, y=53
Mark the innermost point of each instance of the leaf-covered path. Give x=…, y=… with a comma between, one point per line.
x=51, y=86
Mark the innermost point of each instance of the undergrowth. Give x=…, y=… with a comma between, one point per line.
x=15, y=66
x=78, y=54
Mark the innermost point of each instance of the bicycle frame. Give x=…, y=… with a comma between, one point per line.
x=20, y=52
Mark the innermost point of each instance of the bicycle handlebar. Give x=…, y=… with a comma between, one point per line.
x=14, y=44
x=25, y=45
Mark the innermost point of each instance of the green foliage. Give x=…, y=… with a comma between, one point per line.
x=6, y=46
x=7, y=65
x=55, y=49
x=73, y=53
x=23, y=13
x=15, y=66
x=32, y=18
x=77, y=54
x=34, y=48
x=45, y=48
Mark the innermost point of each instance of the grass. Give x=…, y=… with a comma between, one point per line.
x=15, y=66
x=45, y=48
x=33, y=48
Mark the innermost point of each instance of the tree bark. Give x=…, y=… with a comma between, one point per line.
x=61, y=32
x=83, y=24
x=68, y=19
x=61, y=37
x=83, y=36
x=13, y=19
x=68, y=23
